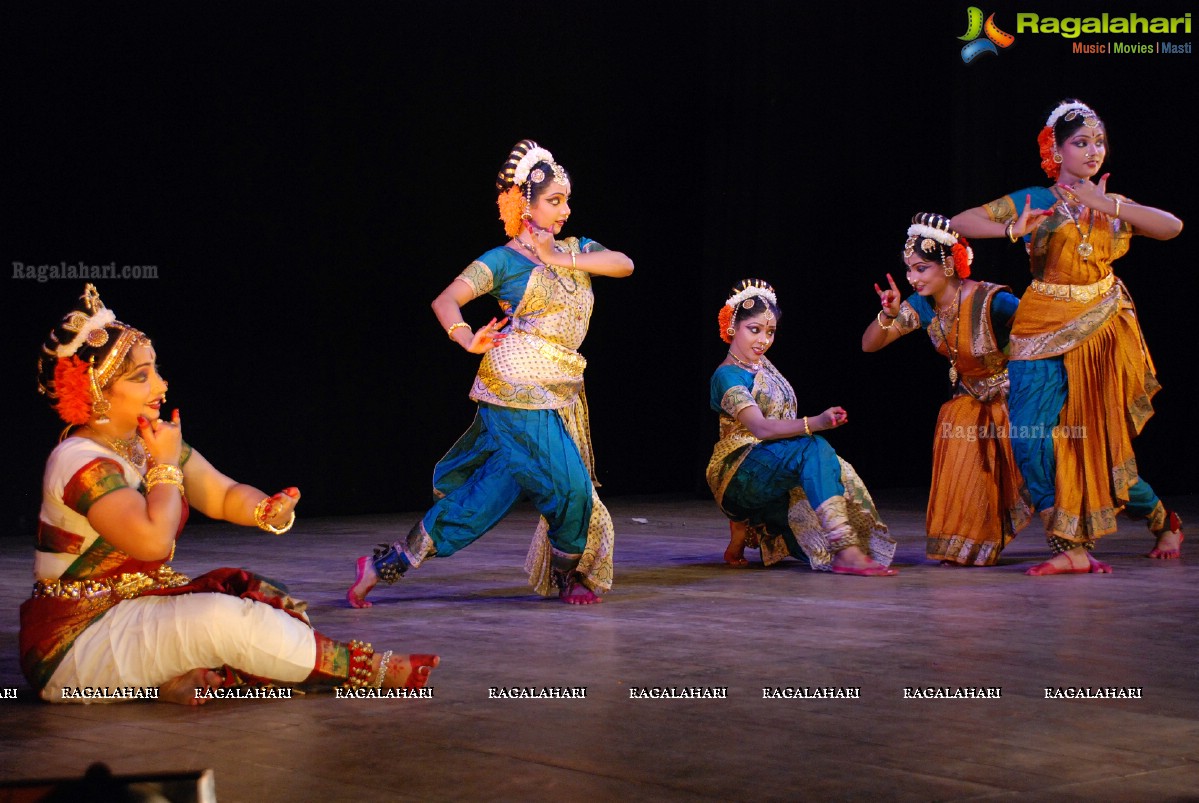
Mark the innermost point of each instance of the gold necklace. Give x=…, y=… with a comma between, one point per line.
x=749, y=366
x=1084, y=247
x=957, y=333
x=133, y=450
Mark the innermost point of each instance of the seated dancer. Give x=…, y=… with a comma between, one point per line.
x=775, y=479
x=530, y=436
x=1082, y=379
x=977, y=502
x=107, y=611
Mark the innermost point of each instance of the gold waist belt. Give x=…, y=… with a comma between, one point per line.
x=125, y=586
x=568, y=359
x=989, y=381
x=984, y=388
x=1084, y=293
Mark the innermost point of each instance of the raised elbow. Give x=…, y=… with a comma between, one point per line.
x=1164, y=230
x=441, y=305
x=626, y=269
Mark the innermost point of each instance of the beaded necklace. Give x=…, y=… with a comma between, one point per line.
x=574, y=282
x=753, y=367
x=957, y=333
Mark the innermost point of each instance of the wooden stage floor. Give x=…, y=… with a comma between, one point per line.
x=679, y=618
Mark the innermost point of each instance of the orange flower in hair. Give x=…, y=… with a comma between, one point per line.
x=726, y=321
x=512, y=208
x=1046, y=143
x=72, y=390
x=961, y=258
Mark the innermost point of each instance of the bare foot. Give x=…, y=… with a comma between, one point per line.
x=575, y=593
x=364, y=581
x=1169, y=543
x=188, y=688
x=852, y=560
x=406, y=671
x=1072, y=561
x=734, y=554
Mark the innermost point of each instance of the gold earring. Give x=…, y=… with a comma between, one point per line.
x=100, y=410
x=730, y=331
x=100, y=405
x=1057, y=158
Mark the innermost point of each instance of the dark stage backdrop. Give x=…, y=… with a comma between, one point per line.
x=307, y=179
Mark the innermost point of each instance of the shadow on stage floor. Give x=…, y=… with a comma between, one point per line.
x=679, y=618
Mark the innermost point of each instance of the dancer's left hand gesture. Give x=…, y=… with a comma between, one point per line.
x=277, y=510
x=832, y=418
x=543, y=242
x=1092, y=195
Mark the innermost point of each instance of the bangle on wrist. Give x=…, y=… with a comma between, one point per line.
x=1117, y=202
x=382, y=673
x=165, y=474
x=453, y=327
x=1010, y=231
x=263, y=524
x=879, y=318
x=574, y=262
x=806, y=429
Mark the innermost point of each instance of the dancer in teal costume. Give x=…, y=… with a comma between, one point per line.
x=511, y=451
x=759, y=491
x=530, y=437
x=781, y=485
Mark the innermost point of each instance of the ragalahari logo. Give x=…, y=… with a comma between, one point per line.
x=975, y=26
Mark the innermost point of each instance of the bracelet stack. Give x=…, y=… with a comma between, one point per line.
x=165, y=474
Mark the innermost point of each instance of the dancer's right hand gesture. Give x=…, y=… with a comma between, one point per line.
x=488, y=337
x=163, y=439
x=889, y=298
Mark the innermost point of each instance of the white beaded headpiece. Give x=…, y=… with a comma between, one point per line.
x=1078, y=108
x=749, y=292
x=521, y=174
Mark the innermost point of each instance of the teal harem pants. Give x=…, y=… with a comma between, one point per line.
x=505, y=455
x=760, y=490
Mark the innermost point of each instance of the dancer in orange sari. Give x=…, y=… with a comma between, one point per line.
x=975, y=502
x=1081, y=374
